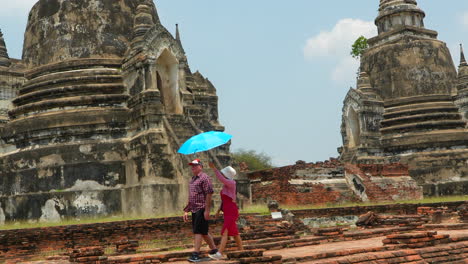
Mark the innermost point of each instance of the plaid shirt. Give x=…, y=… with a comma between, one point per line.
x=199, y=187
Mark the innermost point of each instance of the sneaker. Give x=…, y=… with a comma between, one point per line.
x=216, y=256
x=194, y=258
x=213, y=251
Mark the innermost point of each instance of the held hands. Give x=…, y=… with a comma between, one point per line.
x=211, y=164
x=185, y=216
x=207, y=215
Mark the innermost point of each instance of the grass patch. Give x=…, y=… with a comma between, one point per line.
x=166, y=245
x=81, y=221
x=255, y=209
x=261, y=209
x=442, y=199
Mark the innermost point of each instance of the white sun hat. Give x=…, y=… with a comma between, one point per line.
x=229, y=172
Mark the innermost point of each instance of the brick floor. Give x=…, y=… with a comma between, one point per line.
x=363, y=244
x=313, y=254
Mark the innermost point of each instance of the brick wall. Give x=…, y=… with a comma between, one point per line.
x=384, y=182
x=405, y=209
x=24, y=242
x=274, y=184
x=333, y=182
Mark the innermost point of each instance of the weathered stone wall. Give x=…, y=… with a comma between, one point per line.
x=61, y=167
x=60, y=29
x=439, y=167
x=154, y=199
x=416, y=67
x=55, y=206
x=55, y=169
x=10, y=83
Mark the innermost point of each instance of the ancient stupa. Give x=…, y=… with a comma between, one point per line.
x=94, y=112
x=410, y=105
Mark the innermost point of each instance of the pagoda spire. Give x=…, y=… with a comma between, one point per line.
x=462, y=56
x=177, y=32
x=178, y=35
x=462, y=81
x=398, y=13
x=364, y=85
x=4, y=59
x=143, y=21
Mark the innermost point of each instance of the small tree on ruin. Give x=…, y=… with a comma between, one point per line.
x=255, y=161
x=358, y=48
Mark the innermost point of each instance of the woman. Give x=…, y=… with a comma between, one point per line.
x=229, y=208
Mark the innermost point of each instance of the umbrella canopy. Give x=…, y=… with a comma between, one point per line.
x=204, y=141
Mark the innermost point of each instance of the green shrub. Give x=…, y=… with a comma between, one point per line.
x=255, y=161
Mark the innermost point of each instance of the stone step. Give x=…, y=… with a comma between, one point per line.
x=424, y=126
x=69, y=91
x=414, y=109
x=434, y=138
x=416, y=100
x=52, y=83
x=75, y=101
x=74, y=65
x=401, y=120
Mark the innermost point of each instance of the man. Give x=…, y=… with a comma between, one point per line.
x=200, y=193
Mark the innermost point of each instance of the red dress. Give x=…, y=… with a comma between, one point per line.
x=231, y=214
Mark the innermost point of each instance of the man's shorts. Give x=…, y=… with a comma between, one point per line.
x=199, y=224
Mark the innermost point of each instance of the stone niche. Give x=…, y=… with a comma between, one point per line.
x=410, y=104
x=91, y=125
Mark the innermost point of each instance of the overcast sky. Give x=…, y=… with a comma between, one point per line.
x=281, y=68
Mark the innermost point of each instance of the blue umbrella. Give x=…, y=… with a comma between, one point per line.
x=204, y=141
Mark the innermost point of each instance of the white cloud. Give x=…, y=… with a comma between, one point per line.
x=346, y=70
x=338, y=41
x=336, y=44
x=464, y=19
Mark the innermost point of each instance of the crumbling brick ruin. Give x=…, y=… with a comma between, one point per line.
x=94, y=112
x=410, y=105
x=333, y=182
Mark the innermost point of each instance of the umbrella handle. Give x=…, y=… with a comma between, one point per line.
x=213, y=156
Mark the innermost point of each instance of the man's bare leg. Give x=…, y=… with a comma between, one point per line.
x=209, y=240
x=197, y=242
